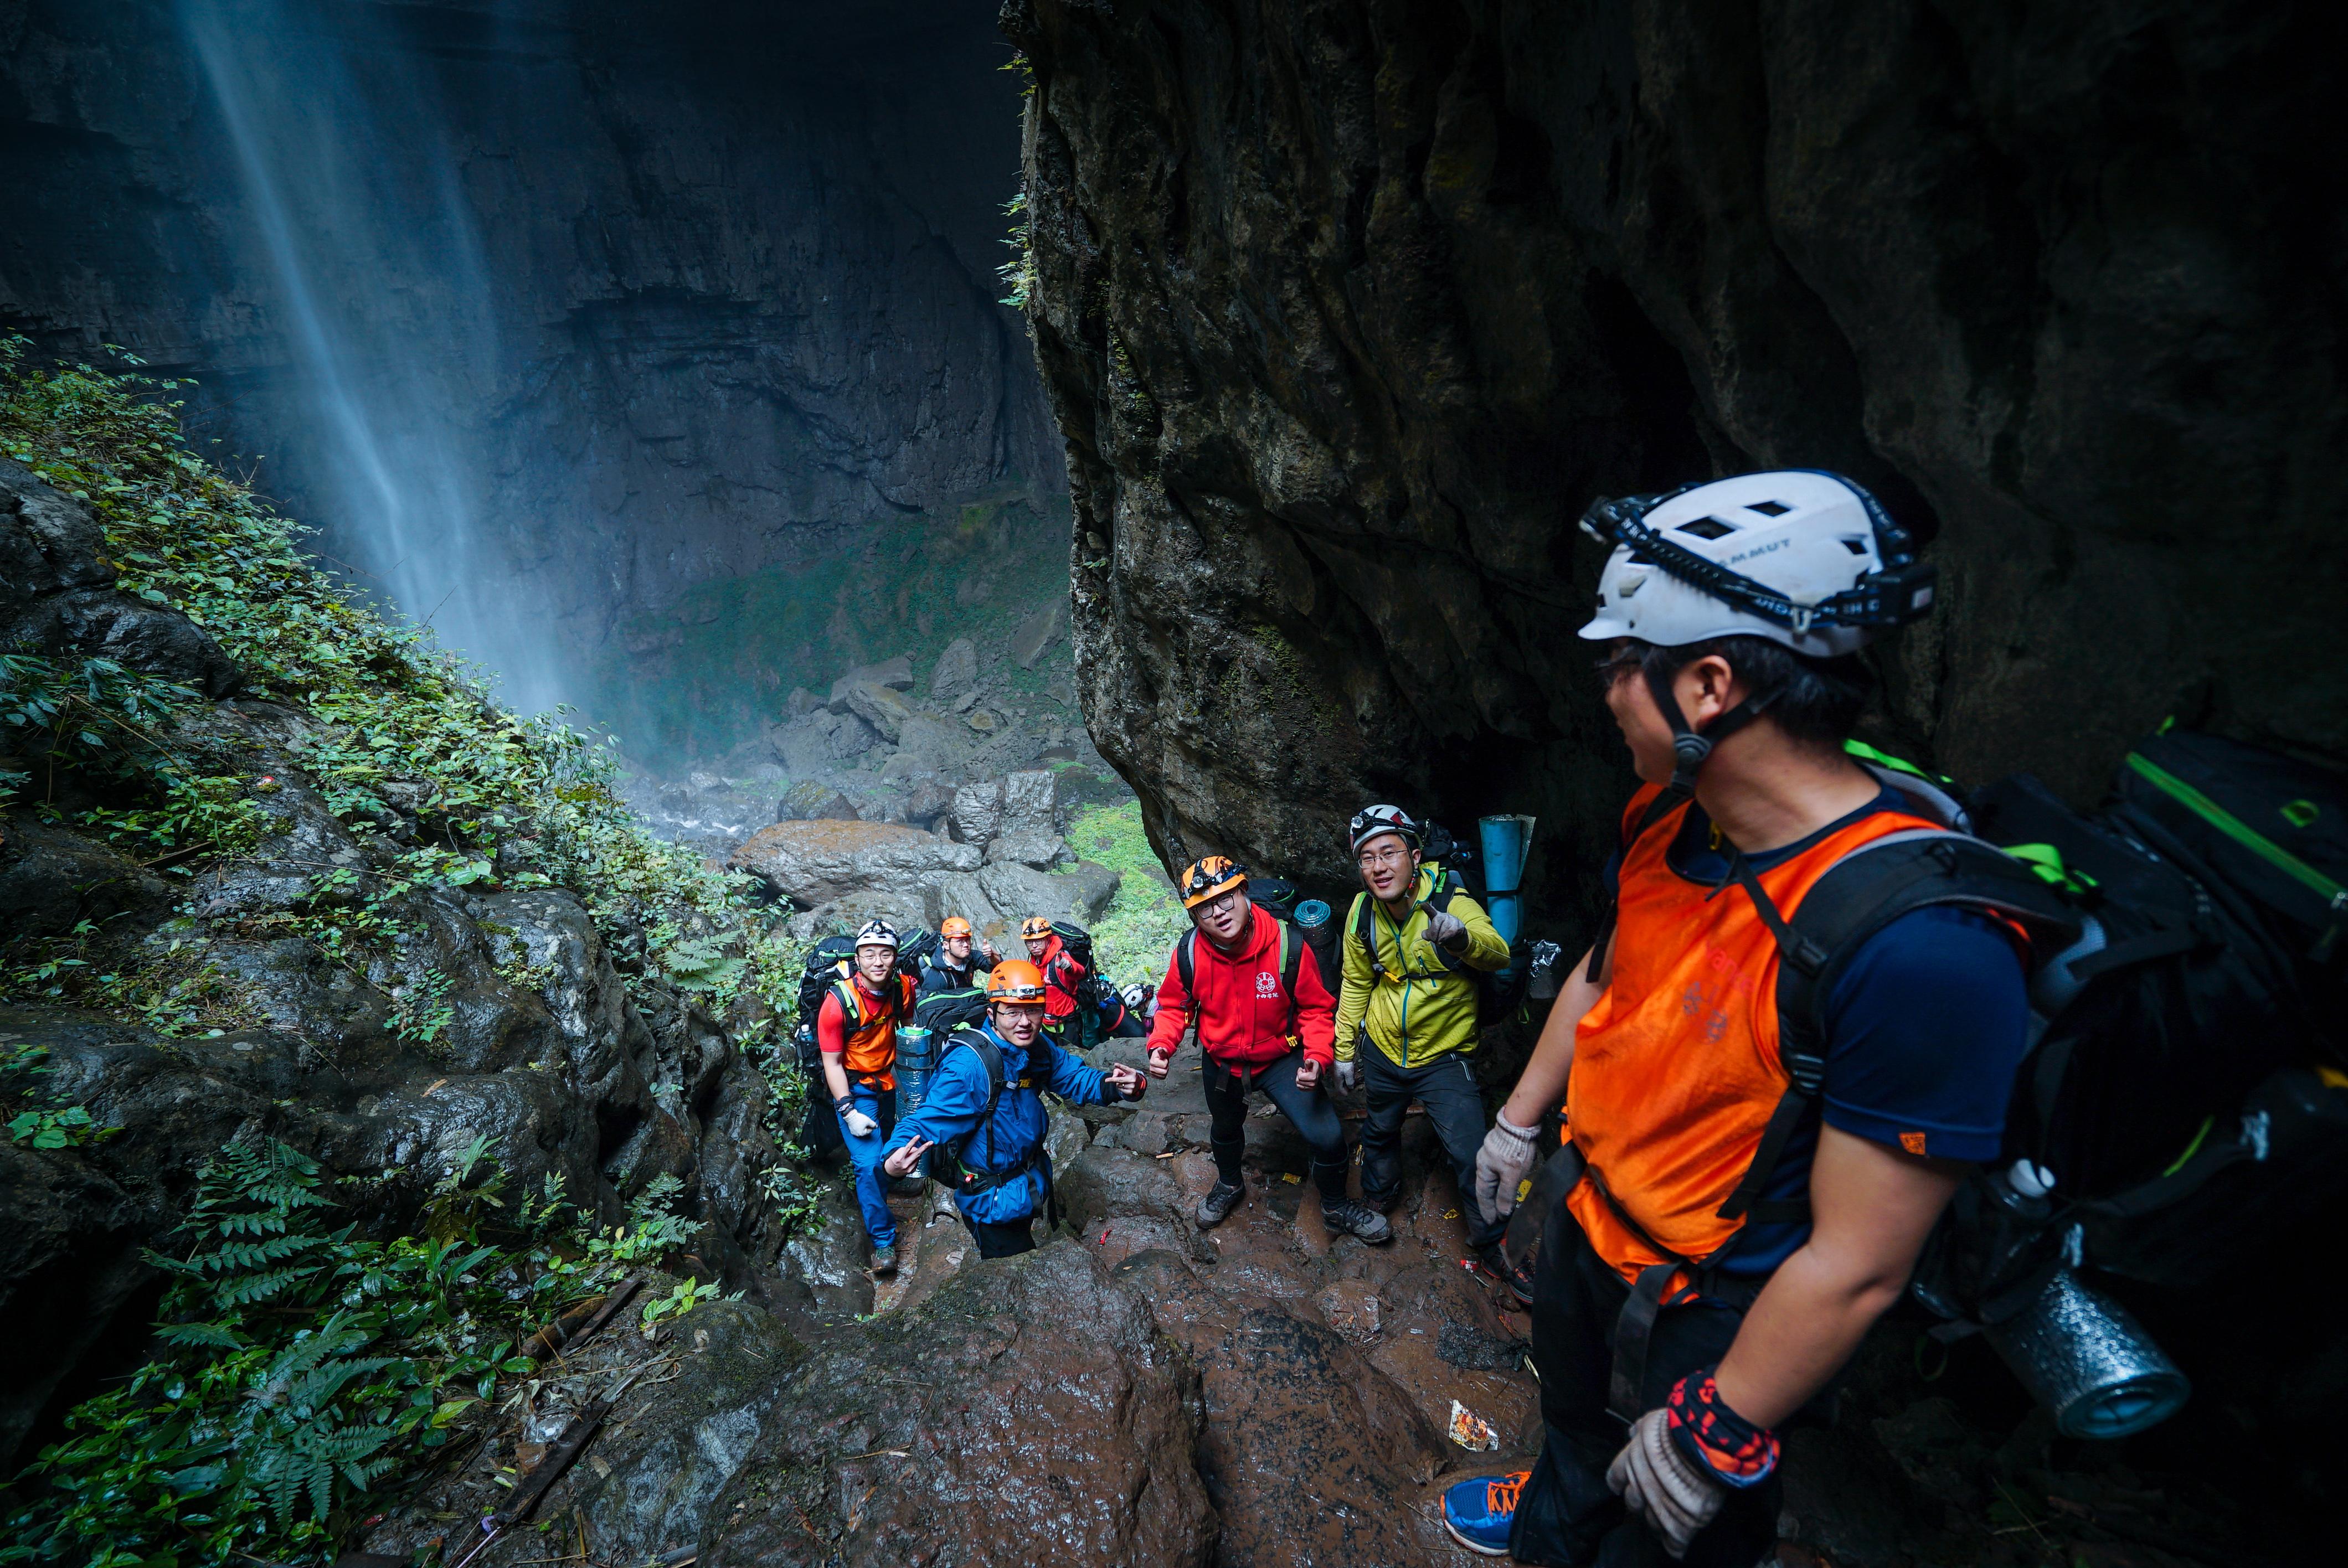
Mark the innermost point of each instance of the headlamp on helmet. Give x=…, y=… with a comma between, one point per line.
x=1373, y=820
x=1035, y=926
x=1211, y=878
x=1014, y=980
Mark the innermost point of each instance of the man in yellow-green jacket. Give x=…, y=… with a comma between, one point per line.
x=1406, y=1011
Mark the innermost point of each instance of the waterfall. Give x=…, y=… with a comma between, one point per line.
x=356, y=199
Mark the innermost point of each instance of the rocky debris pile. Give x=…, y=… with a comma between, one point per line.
x=882, y=746
x=998, y=856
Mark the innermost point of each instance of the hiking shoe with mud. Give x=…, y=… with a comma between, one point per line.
x=1479, y=1512
x=884, y=1262
x=1350, y=1218
x=1519, y=1279
x=1221, y=1200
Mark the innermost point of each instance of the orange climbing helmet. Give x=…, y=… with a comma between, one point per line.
x=1035, y=926
x=1211, y=878
x=1014, y=980
x=953, y=926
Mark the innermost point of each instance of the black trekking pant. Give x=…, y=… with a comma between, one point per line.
x=1567, y=1516
x=1008, y=1239
x=1446, y=1087
x=1307, y=1110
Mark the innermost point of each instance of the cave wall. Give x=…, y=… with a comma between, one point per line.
x=1349, y=308
x=636, y=297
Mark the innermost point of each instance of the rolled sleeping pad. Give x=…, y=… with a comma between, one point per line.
x=916, y=1057
x=2083, y=1357
x=1319, y=924
x=1506, y=841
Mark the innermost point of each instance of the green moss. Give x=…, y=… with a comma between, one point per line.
x=1133, y=938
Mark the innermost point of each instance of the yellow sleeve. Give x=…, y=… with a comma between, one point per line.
x=1486, y=949
x=1353, y=990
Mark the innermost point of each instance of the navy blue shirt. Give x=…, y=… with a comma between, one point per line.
x=1926, y=1028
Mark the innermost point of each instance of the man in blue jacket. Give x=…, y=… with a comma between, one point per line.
x=991, y=1125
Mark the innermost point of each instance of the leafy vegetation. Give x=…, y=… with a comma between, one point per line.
x=302, y=1364
x=33, y=1118
x=1145, y=919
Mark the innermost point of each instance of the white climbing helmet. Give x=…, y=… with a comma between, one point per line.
x=1800, y=555
x=876, y=934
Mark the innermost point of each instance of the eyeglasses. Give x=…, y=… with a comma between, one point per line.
x=1373, y=859
x=1220, y=902
x=1621, y=662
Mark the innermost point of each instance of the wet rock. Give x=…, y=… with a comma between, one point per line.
x=812, y=800
x=1066, y=1136
x=1097, y=885
x=909, y=909
x=1031, y=802
x=1104, y=1184
x=828, y=1255
x=880, y=707
x=1350, y=1308
x=812, y=863
x=1277, y=1386
x=51, y=879
x=1026, y=846
x=1022, y=890
x=57, y=594
x=955, y=675
x=1037, y=632
x=800, y=702
x=929, y=745
x=1027, y=1413
x=977, y=814
x=962, y=894
x=891, y=675
x=928, y=803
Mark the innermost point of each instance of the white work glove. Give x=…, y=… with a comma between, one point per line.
x=1502, y=1164
x=1674, y=1495
x=1349, y=1077
x=1445, y=930
x=858, y=1124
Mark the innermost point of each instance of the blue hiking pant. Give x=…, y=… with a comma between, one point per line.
x=864, y=1154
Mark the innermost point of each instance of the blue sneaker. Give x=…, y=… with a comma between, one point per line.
x=1479, y=1512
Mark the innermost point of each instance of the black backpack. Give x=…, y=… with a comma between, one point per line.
x=2180, y=935
x=943, y=1012
x=828, y=961
x=1094, y=994
x=916, y=950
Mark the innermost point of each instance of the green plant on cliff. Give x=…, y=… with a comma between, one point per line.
x=302, y=1364
x=1145, y=919
x=487, y=786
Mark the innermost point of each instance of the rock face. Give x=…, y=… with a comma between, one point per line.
x=815, y=861
x=1348, y=311
x=1029, y=1412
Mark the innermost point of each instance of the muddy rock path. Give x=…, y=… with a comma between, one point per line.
x=1135, y=1392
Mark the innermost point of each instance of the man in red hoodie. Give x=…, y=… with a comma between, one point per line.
x=1266, y=1020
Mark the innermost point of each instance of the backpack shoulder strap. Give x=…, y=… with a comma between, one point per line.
x=1366, y=932
x=1292, y=958
x=1862, y=893
x=990, y=1056
x=1186, y=964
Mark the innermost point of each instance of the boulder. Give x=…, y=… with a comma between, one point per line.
x=927, y=803
x=933, y=743
x=977, y=816
x=1027, y=1413
x=801, y=702
x=907, y=908
x=813, y=863
x=880, y=707
x=840, y=736
x=1038, y=632
x=1020, y=891
x=812, y=800
x=955, y=675
x=1097, y=885
x=1031, y=800
x=894, y=673
x=1026, y=846
x=962, y=894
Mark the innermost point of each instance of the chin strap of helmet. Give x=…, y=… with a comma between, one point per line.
x=1691, y=747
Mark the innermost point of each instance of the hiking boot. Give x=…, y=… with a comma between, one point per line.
x=1519, y=1280
x=1349, y=1218
x=1221, y=1200
x=884, y=1262
x=1479, y=1512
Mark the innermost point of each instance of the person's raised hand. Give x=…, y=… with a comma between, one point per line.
x=1308, y=1074
x=1445, y=930
x=904, y=1161
x=1159, y=1061
x=1126, y=1082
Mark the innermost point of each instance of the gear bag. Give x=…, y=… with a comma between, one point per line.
x=1086, y=1027
x=943, y=1012
x=828, y=962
